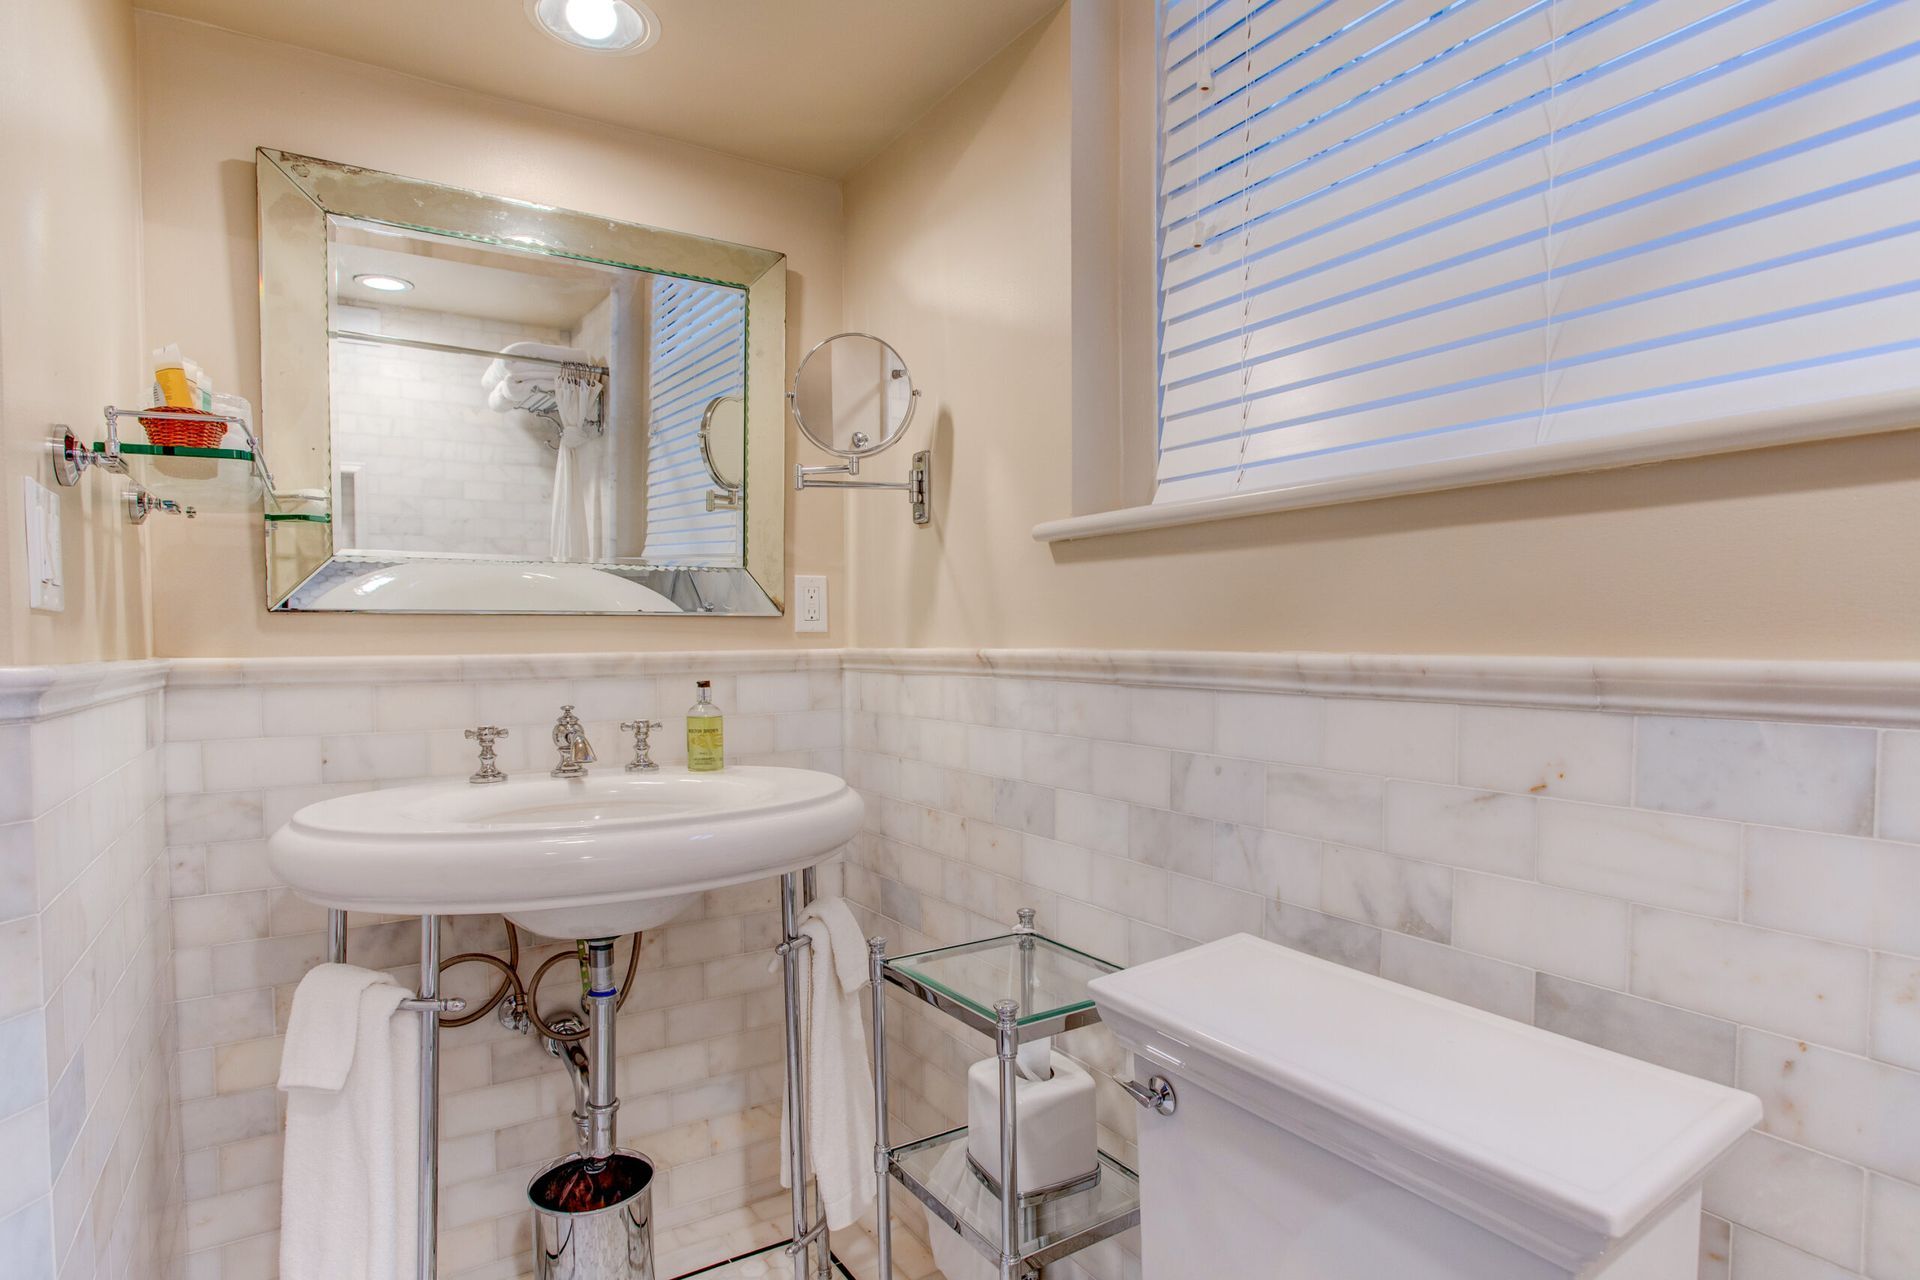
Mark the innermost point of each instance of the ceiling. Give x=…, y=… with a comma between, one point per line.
x=814, y=85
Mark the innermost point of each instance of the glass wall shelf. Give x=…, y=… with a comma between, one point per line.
x=197, y=479
x=179, y=479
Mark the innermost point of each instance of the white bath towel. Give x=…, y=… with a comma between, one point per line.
x=350, y=1183
x=839, y=1101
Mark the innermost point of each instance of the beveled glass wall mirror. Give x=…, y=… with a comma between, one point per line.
x=853, y=397
x=512, y=408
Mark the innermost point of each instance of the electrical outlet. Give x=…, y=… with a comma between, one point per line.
x=46, y=588
x=809, y=602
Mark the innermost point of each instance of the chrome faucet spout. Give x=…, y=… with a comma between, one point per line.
x=570, y=739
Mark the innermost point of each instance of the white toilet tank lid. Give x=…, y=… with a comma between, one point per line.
x=1560, y=1146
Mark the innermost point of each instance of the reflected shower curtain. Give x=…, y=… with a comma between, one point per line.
x=578, y=530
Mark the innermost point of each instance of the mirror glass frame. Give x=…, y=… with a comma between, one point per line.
x=297, y=194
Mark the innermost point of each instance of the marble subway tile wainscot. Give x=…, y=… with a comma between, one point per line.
x=1572, y=935
x=1478, y=830
x=92, y=1178
x=1810, y=1201
x=699, y=1038
x=1893, y=1228
x=1567, y=755
x=1834, y=887
x=1677, y=1038
x=1820, y=777
x=1621, y=854
x=1710, y=866
x=1756, y=977
x=1689, y=864
x=1390, y=893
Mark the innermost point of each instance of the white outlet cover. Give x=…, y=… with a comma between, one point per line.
x=46, y=584
x=809, y=602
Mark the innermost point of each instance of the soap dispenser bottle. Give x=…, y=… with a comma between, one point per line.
x=706, y=733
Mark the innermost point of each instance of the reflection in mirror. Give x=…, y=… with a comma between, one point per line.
x=852, y=395
x=511, y=408
x=723, y=446
x=488, y=401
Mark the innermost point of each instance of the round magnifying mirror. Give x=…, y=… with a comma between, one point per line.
x=723, y=440
x=852, y=395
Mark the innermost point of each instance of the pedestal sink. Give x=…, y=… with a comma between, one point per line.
x=589, y=857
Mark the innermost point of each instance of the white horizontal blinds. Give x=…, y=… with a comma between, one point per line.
x=1399, y=232
x=698, y=351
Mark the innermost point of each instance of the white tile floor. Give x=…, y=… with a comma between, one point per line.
x=683, y=1249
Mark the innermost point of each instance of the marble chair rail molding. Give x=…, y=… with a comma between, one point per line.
x=1711, y=865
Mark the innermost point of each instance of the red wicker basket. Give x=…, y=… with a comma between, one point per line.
x=177, y=433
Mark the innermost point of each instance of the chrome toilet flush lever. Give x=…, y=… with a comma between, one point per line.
x=486, y=735
x=642, y=731
x=576, y=753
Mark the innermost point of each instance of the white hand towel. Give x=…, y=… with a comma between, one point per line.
x=839, y=1101
x=350, y=1183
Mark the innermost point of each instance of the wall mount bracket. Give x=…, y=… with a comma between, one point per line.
x=918, y=486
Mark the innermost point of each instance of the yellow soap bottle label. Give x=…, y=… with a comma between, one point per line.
x=706, y=744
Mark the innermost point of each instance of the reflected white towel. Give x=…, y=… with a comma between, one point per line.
x=839, y=1101
x=349, y=1184
x=518, y=375
x=957, y=1259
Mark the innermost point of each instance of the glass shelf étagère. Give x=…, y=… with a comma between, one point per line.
x=938, y=1174
x=1047, y=979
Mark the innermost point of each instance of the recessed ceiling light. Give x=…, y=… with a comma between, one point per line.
x=385, y=284
x=600, y=26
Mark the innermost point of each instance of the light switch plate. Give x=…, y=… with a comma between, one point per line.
x=46, y=587
x=809, y=602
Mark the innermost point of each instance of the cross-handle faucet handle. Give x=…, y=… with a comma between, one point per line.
x=486, y=735
x=642, y=731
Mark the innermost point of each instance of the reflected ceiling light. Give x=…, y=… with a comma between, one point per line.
x=600, y=26
x=385, y=284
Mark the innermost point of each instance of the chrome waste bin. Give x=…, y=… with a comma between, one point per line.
x=593, y=1223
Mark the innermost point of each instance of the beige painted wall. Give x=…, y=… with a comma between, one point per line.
x=957, y=251
x=69, y=313
x=208, y=97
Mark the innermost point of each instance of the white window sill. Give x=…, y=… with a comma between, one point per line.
x=1861, y=416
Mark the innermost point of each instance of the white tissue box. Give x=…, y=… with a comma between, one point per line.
x=1056, y=1142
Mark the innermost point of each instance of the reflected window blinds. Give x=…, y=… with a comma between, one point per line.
x=1398, y=236
x=697, y=353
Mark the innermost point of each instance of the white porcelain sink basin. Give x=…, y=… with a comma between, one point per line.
x=568, y=858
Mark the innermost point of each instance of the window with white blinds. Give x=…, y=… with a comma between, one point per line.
x=696, y=352
x=1406, y=237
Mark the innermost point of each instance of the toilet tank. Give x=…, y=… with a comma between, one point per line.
x=1331, y=1125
